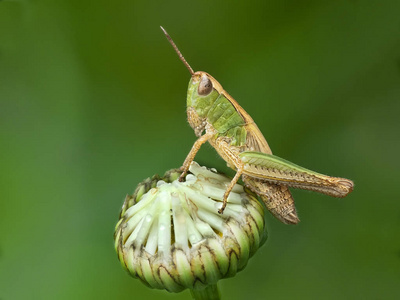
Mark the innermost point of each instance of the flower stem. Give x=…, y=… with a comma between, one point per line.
x=211, y=292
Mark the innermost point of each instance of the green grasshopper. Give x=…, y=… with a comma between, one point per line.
x=217, y=118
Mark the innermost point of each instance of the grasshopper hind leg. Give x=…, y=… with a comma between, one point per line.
x=277, y=199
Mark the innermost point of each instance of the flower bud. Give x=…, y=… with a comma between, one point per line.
x=170, y=235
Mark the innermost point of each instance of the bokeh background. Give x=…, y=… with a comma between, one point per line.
x=92, y=101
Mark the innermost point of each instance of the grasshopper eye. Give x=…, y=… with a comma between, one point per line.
x=205, y=86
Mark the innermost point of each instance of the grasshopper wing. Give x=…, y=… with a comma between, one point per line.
x=255, y=140
x=277, y=170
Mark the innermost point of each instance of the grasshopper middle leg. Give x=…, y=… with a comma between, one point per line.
x=229, y=189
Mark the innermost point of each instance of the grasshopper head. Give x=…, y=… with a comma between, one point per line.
x=203, y=90
x=205, y=83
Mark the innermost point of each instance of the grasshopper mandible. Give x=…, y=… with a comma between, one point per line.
x=217, y=118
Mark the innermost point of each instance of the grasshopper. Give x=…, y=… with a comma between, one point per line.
x=218, y=119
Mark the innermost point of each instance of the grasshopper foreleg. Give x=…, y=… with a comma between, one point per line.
x=190, y=157
x=229, y=189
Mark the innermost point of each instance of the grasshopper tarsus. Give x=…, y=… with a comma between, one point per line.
x=221, y=210
x=182, y=177
x=224, y=201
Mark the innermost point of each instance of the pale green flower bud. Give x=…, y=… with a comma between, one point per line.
x=171, y=236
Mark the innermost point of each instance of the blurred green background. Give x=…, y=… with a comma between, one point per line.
x=92, y=101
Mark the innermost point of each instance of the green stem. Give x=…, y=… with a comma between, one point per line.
x=211, y=292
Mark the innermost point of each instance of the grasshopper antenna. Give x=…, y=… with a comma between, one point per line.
x=177, y=51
